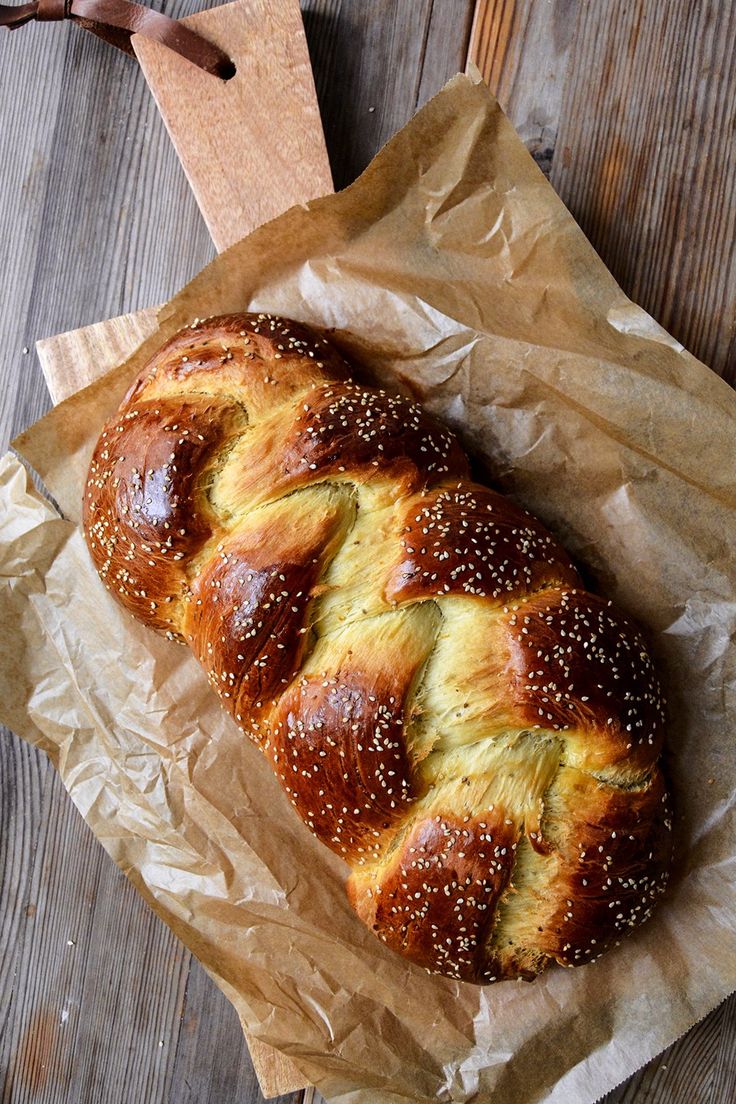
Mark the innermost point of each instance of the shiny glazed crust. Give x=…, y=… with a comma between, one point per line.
x=445, y=705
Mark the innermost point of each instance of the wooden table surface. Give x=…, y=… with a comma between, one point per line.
x=629, y=106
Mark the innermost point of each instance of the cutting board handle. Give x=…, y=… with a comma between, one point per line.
x=252, y=146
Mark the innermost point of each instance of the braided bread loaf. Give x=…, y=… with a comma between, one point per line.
x=444, y=703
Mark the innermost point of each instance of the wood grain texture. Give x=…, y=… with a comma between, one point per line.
x=83, y=154
x=700, y=1068
x=375, y=63
x=231, y=1077
x=631, y=110
x=647, y=163
x=69, y=361
x=226, y=175
x=627, y=108
x=522, y=48
x=59, y=921
x=96, y=217
x=251, y=146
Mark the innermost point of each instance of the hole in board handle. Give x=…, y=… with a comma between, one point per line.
x=227, y=70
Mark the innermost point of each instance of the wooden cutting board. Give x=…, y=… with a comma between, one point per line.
x=251, y=147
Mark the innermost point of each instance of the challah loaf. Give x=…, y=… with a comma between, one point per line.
x=444, y=703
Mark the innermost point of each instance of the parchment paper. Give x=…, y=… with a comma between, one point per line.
x=451, y=267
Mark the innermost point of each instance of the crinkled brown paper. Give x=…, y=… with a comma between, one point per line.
x=449, y=266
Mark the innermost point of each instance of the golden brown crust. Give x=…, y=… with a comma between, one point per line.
x=469, y=540
x=247, y=618
x=436, y=897
x=598, y=837
x=240, y=353
x=578, y=666
x=337, y=747
x=444, y=704
x=145, y=512
x=345, y=427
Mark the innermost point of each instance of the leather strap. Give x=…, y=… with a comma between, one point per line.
x=115, y=21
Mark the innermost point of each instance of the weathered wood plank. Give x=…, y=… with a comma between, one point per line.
x=232, y=204
x=375, y=64
x=71, y=360
x=65, y=906
x=522, y=48
x=697, y=1069
x=251, y=148
x=724, y=1067
x=638, y=100
x=647, y=164
x=207, y=1020
x=89, y=186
